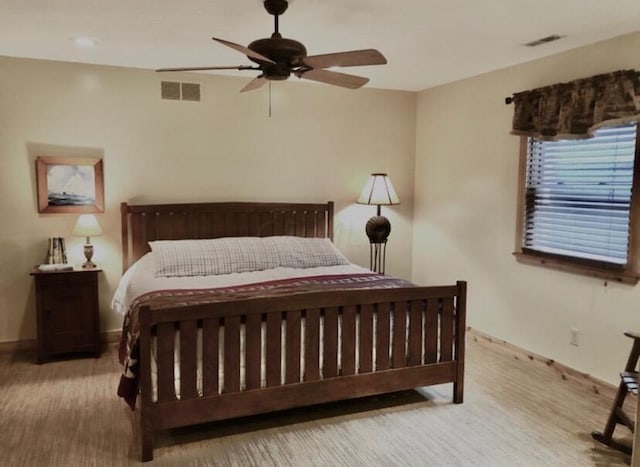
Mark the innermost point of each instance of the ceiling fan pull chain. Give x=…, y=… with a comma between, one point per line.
x=269, y=98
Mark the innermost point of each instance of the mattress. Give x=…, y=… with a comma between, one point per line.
x=141, y=279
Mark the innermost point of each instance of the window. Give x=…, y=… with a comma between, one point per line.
x=576, y=205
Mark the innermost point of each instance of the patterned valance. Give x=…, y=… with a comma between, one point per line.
x=576, y=109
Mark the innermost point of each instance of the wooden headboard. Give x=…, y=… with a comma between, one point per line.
x=144, y=223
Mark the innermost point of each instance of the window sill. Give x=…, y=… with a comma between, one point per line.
x=621, y=276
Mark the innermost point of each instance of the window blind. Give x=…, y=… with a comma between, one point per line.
x=578, y=195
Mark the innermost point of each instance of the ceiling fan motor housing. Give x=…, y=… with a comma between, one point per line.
x=286, y=53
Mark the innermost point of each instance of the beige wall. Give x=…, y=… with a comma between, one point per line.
x=464, y=218
x=320, y=144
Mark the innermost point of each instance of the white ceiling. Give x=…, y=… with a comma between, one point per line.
x=426, y=42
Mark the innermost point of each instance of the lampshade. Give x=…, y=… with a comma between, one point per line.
x=379, y=191
x=87, y=226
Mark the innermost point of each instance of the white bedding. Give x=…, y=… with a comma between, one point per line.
x=141, y=278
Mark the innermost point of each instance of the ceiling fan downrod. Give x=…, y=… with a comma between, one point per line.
x=276, y=8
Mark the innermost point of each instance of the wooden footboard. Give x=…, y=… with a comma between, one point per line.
x=266, y=354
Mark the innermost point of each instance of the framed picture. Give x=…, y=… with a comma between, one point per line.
x=70, y=184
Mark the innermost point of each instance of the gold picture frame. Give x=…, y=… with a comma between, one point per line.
x=70, y=184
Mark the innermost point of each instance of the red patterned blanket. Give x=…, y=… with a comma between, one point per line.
x=129, y=351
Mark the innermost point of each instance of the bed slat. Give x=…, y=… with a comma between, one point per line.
x=182, y=229
x=310, y=224
x=165, y=226
x=312, y=345
x=415, y=333
x=231, y=354
x=253, y=343
x=188, y=359
x=366, y=339
x=165, y=348
x=274, y=349
x=278, y=223
x=289, y=223
x=210, y=355
x=266, y=224
x=349, y=340
x=321, y=225
x=330, y=347
x=446, y=330
x=292, y=364
x=254, y=224
x=382, y=337
x=431, y=331
x=399, y=352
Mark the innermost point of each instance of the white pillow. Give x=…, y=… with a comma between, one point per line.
x=242, y=254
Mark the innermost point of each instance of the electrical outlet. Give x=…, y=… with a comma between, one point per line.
x=573, y=336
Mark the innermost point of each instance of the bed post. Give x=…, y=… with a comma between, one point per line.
x=330, y=220
x=461, y=313
x=146, y=415
x=124, y=225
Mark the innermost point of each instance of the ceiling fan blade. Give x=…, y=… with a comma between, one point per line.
x=351, y=58
x=335, y=78
x=204, y=68
x=255, y=83
x=244, y=50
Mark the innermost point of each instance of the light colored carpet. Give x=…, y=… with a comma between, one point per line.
x=517, y=412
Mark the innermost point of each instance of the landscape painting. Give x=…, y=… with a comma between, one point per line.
x=70, y=184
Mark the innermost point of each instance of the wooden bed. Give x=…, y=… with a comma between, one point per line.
x=319, y=346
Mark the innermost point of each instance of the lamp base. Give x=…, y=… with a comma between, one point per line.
x=377, y=257
x=378, y=229
x=88, y=253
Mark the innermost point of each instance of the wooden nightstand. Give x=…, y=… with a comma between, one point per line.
x=67, y=312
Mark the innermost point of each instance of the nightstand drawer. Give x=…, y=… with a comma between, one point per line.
x=67, y=279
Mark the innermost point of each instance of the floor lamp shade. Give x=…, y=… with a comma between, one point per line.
x=379, y=191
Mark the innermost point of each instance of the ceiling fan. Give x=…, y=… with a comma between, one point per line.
x=278, y=57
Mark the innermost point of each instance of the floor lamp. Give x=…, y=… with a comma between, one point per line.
x=378, y=191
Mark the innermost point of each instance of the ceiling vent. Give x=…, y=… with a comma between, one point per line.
x=544, y=40
x=174, y=90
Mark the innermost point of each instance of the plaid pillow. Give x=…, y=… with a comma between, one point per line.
x=227, y=255
x=299, y=252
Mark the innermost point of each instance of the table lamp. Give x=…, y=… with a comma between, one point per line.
x=87, y=226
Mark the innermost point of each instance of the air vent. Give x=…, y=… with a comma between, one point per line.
x=190, y=92
x=544, y=40
x=170, y=90
x=174, y=90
